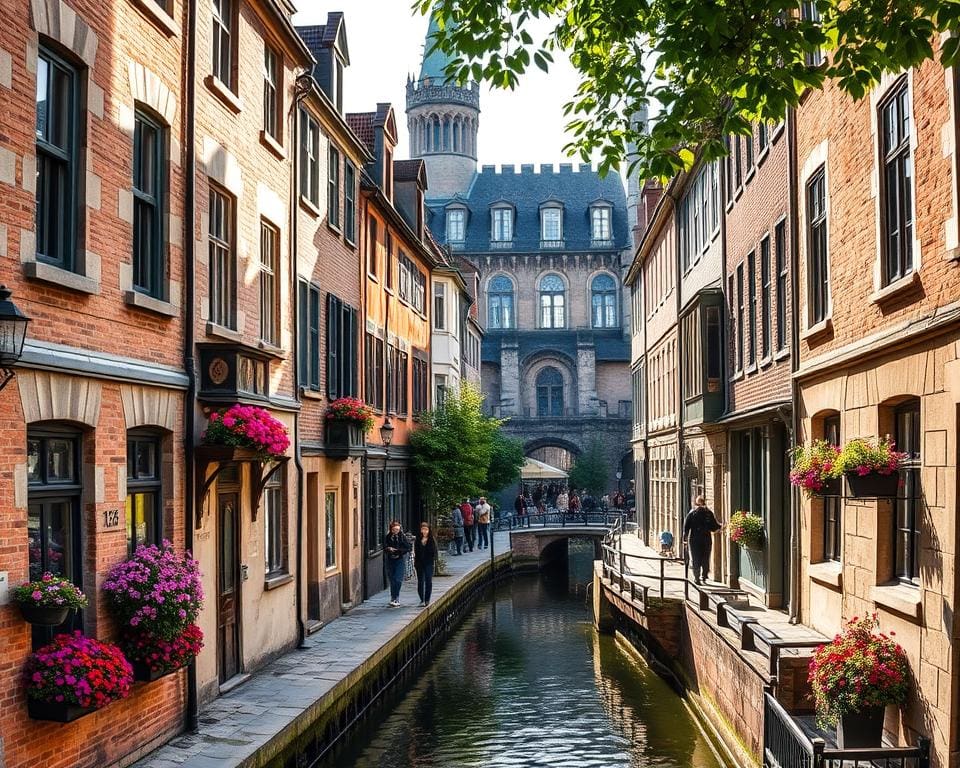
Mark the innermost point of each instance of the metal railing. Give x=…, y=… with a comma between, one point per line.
x=785, y=745
x=593, y=519
x=615, y=562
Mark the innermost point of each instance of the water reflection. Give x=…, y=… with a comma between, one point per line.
x=525, y=682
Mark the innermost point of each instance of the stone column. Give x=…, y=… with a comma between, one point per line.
x=510, y=403
x=587, y=402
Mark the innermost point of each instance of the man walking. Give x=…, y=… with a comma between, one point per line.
x=698, y=530
x=469, y=527
x=482, y=513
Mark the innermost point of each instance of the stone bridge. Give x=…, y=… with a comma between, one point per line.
x=534, y=547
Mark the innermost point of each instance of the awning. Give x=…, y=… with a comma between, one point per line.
x=537, y=470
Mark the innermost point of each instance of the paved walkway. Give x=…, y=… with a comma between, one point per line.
x=234, y=726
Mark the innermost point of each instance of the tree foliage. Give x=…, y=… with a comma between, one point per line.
x=506, y=460
x=452, y=448
x=590, y=470
x=707, y=68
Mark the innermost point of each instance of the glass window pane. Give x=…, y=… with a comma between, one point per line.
x=34, y=469
x=331, y=522
x=43, y=79
x=60, y=460
x=58, y=534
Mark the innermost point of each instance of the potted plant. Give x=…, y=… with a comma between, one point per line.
x=870, y=467
x=812, y=468
x=156, y=597
x=247, y=427
x=49, y=600
x=747, y=530
x=348, y=420
x=73, y=676
x=854, y=677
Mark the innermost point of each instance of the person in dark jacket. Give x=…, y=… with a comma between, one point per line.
x=519, y=505
x=395, y=547
x=698, y=529
x=456, y=520
x=424, y=559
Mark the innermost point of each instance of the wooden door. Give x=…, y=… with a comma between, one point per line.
x=314, y=569
x=228, y=586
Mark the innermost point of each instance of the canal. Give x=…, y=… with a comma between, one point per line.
x=526, y=681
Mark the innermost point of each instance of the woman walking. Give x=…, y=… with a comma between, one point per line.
x=396, y=548
x=698, y=530
x=424, y=559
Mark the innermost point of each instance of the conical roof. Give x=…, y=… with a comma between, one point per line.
x=435, y=61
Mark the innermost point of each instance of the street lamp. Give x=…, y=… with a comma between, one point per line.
x=386, y=434
x=619, y=478
x=13, y=332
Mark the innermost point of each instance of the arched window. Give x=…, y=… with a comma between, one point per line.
x=549, y=392
x=436, y=134
x=144, y=504
x=603, y=293
x=552, y=302
x=446, y=134
x=909, y=509
x=500, y=303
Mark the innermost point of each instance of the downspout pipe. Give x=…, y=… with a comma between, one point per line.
x=794, y=219
x=192, y=715
x=730, y=550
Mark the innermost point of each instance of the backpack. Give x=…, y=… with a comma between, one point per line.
x=467, y=510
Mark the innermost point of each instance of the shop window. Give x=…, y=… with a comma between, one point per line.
x=144, y=504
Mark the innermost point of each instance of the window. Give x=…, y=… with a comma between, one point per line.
x=780, y=246
x=766, y=288
x=500, y=306
x=309, y=336
x=810, y=13
x=738, y=160
x=271, y=91
x=604, y=302
x=333, y=187
x=58, y=172
x=330, y=529
x=763, y=135
x=341, y=348
x=832, y=505
x=600, y=223
x=440, y=387
x=551, y=225
x=698, y=215
x=502, y=225
x=439, y=305
x=896, y=184
x=396, y=496
x=269, y=284
x=552, y=302
x=819, y=289
x=223, y=41
x=309, y=158
x=420, y=384
x=638, y=396
x=223, y=265
x=456, y=220
x=752, y=308
x=549, y=393
x=906, y=543
x=144, y=510
x=715, y=349
x=748, y=148
x=740, y=317
x=349, y=202
x=274, y=540
x=372, y=246
x=376, y=522
x=397, y=380
x=388, y=256
x=148, y=206
x=692, y=362
x=373, y=375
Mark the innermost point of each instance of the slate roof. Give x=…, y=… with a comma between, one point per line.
x=434, y=61
x=526, y=190
x=407, y=170
x=362, y=125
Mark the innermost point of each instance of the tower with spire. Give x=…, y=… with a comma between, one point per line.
x=443, y=121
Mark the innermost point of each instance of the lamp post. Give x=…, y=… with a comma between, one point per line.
x=386, y=435
x=13, y=333
x=619, y=478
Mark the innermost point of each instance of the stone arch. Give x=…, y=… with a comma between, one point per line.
x=148, y=89
x=531, y=368
x=57, y=21
x=147, y=407
x=617, y=296
x=47, y=396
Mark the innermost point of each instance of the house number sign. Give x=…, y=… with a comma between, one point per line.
x=111, y=518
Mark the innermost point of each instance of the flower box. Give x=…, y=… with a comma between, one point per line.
x=48, y=601
x=831, y=487
x=144, y=674
x=873, y=485
x=56, y=711
x=44, y=615
x=343, y=438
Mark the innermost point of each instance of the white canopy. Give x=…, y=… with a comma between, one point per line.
x=537, y=470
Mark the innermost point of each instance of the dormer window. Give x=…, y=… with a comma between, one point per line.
x=551, y=226
x=502, y=231
x=456, y=225
x=600, y=224
x=337, y=84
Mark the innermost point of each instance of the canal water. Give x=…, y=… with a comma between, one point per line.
x=526, y=682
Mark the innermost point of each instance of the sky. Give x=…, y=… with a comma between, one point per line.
x=386, y=40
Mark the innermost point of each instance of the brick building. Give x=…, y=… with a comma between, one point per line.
x=92, y=426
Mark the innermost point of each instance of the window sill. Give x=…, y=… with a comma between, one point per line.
x=829, y=573
x=276, y=580
x=372, y=276
x=895, y=289
x=815, y=330
x=305, y=202
x=163, y=20
x=62, y=278
x=267, y=348
x=222, y=91
x=738, y=193
x=783, y=354
x=750, y=369
x=310, y=394
x=350, y=242
x=778, y=130
x=273, y=145
x=952, y=255
x=222, y=332
x=765, y=361
x=334, y=227
x=149, y=303
x=737, y=376
x=750, y=174
x=729, y=206
x=900, y=598
x=764, y=153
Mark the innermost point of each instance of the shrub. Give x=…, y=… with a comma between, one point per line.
x=246, y=426
x=352, y=409
x=50, y=590
x=79, y=670
x=857, y=670
x=864, y=456
x=746, y=530
x=161, y=655
x=813, y=465
x=157, y=590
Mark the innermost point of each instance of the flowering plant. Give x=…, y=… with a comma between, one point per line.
x=857, y=670
x=746, y=530
x=79, y=670
x=351, y=409
x=813, y=465
x=52, y=591
x=863, y=457
x=161, y=655
x=158, y=589
x=246, y=426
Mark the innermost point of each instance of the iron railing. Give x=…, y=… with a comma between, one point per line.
x=593, y=519
x=615, y=562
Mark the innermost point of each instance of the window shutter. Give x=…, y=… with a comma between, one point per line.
x=303, y=334
x=333, y=321
x=354, y=362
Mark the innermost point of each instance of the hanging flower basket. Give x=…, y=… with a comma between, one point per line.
x=247, y=427
x=812, y=468
x=153, y=657
x=48, y=601
x=350, y=410
x=747, y=530
x=871, y=467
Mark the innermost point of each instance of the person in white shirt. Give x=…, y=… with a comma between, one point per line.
x=483, y=514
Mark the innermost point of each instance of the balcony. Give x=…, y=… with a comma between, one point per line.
x=501, y=245
x=601, y=243
x=552, y=244
x=343, y=439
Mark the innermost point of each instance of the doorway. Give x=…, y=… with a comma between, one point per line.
x=228, y=586
x=313, y=547
x=346, y=498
